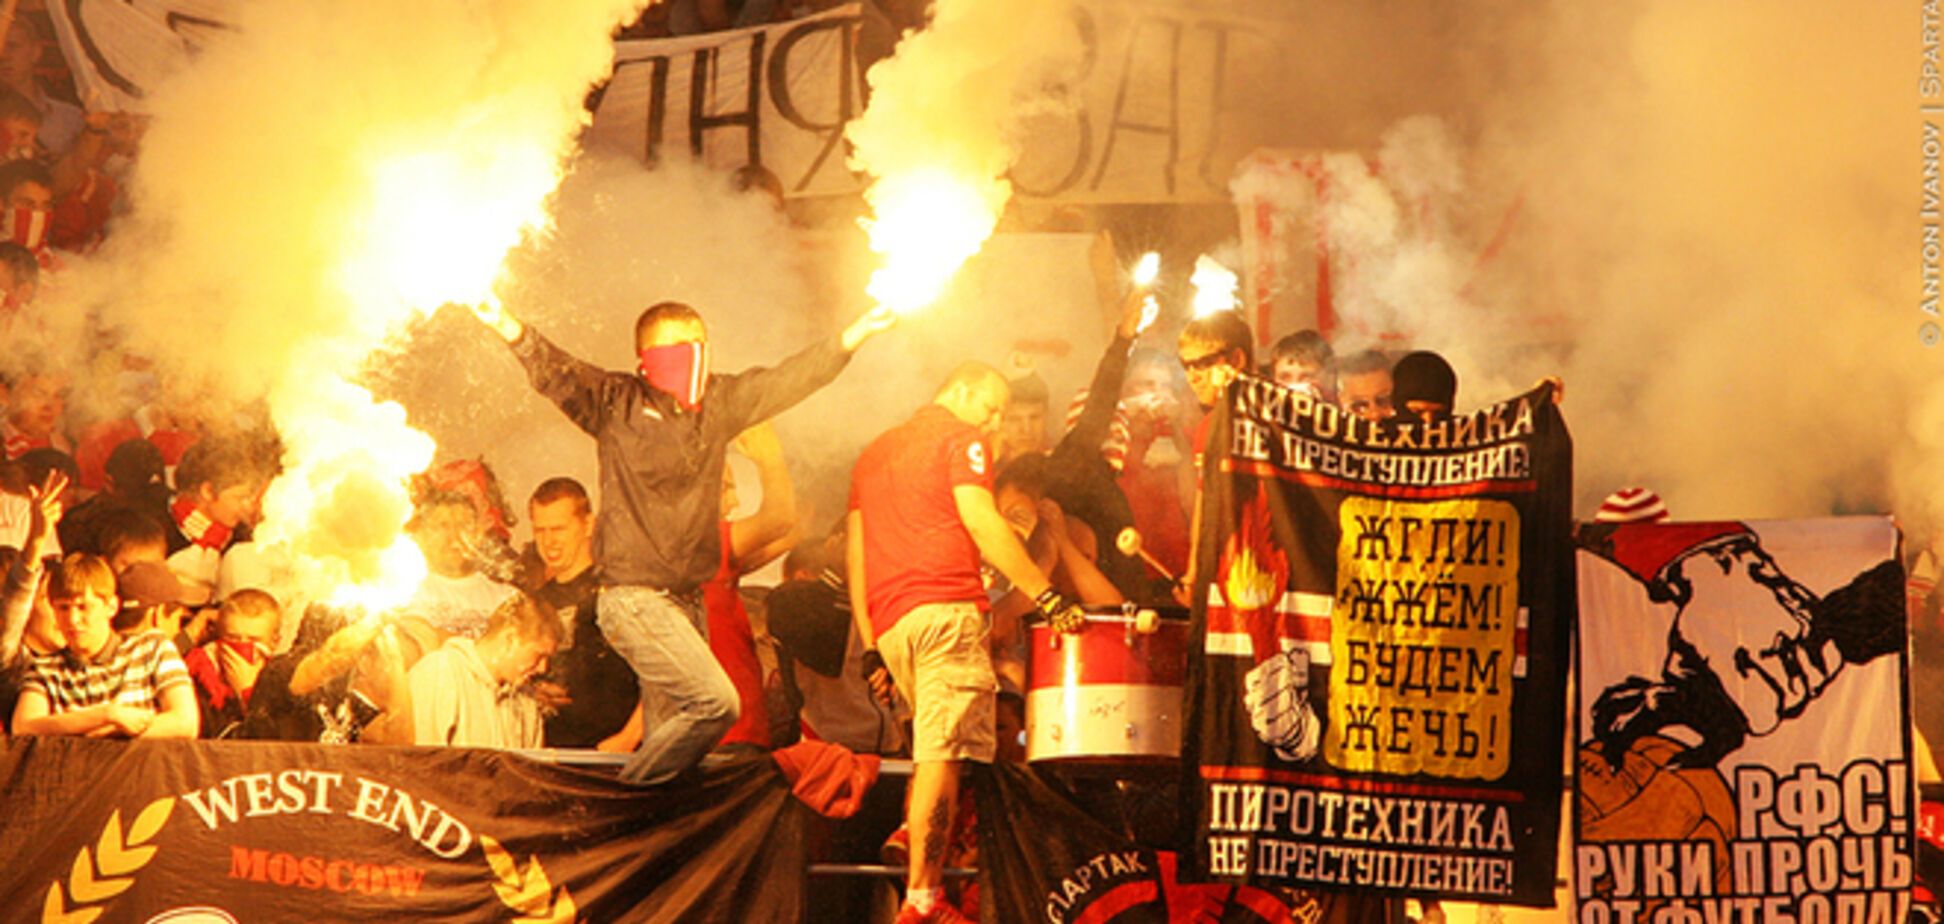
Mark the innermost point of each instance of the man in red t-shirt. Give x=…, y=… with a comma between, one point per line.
x=921, y=517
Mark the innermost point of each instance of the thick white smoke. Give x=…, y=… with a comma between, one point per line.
x=310, y=185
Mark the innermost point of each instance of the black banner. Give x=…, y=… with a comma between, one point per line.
x=219, y=831
x=1376, y=702
x=1045, y=856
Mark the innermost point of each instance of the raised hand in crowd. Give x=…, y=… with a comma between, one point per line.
x=868, y=325
x=494, y=315
x=44, y=513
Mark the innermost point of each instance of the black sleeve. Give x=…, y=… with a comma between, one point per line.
x=581, y=390
x=1103, y=396
x=751, y=397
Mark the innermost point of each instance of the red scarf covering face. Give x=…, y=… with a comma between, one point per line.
x=26, y=227
x=680, y=369
x=197, y=527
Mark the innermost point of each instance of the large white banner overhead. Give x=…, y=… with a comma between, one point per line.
x=119, y=50
x=1168, y=97
x=1160, y=110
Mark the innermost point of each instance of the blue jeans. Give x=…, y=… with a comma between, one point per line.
x=687, y=701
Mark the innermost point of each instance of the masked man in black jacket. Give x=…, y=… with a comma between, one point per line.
x=660, y=434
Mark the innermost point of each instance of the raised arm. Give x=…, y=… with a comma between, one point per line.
x=23, y=579
x=761, y=537
x=1103, y=393
x=751, y=397
x=580, y=389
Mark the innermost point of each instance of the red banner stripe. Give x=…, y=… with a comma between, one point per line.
x=1103, y=909
x=1223, y=620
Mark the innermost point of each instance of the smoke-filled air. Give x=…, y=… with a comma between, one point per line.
x=309, y=187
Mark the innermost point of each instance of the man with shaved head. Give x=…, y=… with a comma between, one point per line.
x=660, y=434
x=921, y=518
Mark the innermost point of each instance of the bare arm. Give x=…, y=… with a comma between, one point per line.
x=333, y=658
x=23, y=579
x=997, y=542
x=179, y=717
x=854, y=577
x=1089, y=583
x=759, y=538
x=31, y=717
x=388, y=685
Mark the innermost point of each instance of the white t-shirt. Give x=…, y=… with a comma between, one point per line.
x=456, y=702
x=459, y=606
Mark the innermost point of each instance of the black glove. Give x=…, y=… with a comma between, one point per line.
x=1060, y=614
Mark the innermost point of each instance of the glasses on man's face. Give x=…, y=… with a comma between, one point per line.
x=1205, y=362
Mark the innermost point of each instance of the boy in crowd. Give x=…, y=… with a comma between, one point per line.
x=103, y=683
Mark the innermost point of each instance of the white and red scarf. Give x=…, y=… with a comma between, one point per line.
x=197, y=527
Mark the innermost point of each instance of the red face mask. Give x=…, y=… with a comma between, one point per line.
x=680, y=369
x=248, y=650
x=26, y=227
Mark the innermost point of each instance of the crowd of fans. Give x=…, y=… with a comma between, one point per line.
x=136, y=602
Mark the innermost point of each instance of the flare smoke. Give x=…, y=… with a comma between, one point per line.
x=311, y=184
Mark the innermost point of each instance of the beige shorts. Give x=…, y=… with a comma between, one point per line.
x=938, y=659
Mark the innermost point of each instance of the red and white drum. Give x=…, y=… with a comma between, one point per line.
x=1111, y=691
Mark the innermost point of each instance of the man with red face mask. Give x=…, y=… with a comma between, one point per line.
x=661, y=434
x=27, y=208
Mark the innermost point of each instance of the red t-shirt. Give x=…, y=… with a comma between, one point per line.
x=734, y=645
x=916, y=551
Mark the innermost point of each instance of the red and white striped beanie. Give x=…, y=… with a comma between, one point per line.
x=1631, y=505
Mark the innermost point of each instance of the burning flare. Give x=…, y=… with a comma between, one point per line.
x=313, y=183
x=1215, y=286
x=939, y=136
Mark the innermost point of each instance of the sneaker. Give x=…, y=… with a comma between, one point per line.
x=896, y=850
x=941, y=913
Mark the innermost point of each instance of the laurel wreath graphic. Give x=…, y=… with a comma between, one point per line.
x=530, y=893
x=110, y=869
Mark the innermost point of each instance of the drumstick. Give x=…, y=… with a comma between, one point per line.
x=1129, y=543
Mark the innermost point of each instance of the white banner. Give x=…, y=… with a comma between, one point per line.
x=119, y=50
x=778, y=96
x=1744, y=726
x=1169, y=99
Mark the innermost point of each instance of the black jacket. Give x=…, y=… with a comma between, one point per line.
x=661, y=465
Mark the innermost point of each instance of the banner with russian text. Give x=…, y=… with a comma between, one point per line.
x=1167, y=98
x=1082, y=849
x=1743, y=723
x=216, y=832
x=1377, y=704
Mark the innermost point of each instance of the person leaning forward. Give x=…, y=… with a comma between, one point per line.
x=660, y=436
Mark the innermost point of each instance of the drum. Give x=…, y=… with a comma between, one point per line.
x=1111, y=692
